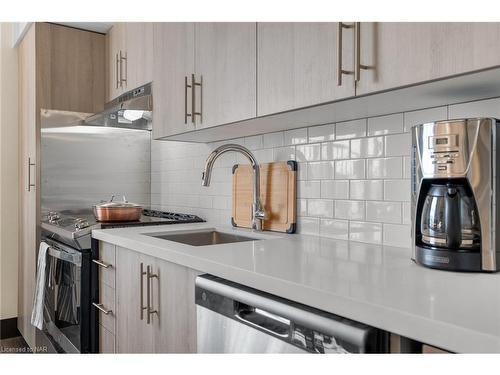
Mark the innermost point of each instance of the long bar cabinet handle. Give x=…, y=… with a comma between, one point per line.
x=200, y=85
x=102, y=264
x=142, y=291
x=150, y=310
x=186, y=87
x=123, y=57
x=340, y=70
x=30, y=184
x=357, y=52
x=101, y=308
x=117, y=70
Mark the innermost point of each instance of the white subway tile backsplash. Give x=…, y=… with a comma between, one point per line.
x=397, y=190
x=350, y=169
x=322, y=133
x=366, y=189
x=335, y=189
x=254, y=143
x=295, y=136
x=320, y=208
x=397, y=235
x=272, y=140
x=308, y=189
x=406, y=167
x=301, y=171
x=353, y=176
x=338, y=229
x=398, y=145
x=367, y=147
x=406, y=213
x=308, y=152
x=385, y=124
x=385, y=168
x=335, y=150
x=301, y=207
x=423, y=116
x=385, y=212
x=320, y=170
x=284, y=153
x=482, y=108
x=351, y=210
x=264, y=156
x=308, y=225
x=365, y=232
x=350, y=129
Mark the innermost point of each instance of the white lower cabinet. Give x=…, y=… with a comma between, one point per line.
x=164, y=291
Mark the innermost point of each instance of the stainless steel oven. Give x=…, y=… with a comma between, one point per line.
x=67, y=297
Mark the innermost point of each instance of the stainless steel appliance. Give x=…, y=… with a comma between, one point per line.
x=232, y=318
x=72, y=287
x=454, y=194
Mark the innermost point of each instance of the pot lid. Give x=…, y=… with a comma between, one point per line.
x=114, y=204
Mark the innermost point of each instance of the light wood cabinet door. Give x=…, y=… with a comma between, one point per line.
x=138, y=68
x=114, y=44
x=133, y=335
x=225, y=56
x=70, y=69
x=28, y=207
x=174, y=326
x=173, y=64
x=400, y=54
x=297, y=65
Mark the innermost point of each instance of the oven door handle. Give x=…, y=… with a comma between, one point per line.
x=74, y=258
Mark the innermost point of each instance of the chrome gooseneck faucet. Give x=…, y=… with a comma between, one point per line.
x=258, y=213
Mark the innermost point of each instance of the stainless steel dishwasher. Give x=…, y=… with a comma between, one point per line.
x=232, y=318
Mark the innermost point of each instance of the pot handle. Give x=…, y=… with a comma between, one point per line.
x=452, y=218
x=113, y=197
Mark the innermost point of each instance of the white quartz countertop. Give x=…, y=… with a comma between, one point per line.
x=377, y=285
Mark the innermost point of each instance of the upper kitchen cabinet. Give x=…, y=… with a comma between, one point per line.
x=129, y=57
x=299, y=64
x=204, y=75
x=115, y=44
x=392, y=55
x=225, y=58
x=70, y=67
x=173, y=69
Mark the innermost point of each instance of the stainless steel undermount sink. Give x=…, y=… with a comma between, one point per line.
x=203, y=238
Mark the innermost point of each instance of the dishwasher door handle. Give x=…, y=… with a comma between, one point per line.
x=265, y=321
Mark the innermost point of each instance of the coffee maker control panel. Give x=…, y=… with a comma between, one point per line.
x=443, y=155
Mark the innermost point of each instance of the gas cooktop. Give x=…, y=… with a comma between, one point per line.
x=74, y=227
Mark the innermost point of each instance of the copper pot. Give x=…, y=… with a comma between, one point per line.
x=117, y=211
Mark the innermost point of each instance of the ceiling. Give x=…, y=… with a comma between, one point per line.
x=99, y=27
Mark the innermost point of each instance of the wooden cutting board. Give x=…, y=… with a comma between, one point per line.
x=278, y=194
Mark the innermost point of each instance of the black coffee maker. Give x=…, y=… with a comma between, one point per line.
x=454, y=218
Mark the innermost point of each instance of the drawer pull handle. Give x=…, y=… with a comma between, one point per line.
x=102, y=264
x=101, y=308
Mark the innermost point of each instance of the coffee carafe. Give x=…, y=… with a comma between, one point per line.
x=454, y=193
x=449, y=218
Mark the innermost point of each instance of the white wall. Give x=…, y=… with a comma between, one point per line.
x=8, y=174
x=354, y=177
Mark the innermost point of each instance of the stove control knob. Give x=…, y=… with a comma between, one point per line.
x=53, y=216
x=81, y=223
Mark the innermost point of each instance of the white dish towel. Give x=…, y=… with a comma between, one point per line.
x=37, y=313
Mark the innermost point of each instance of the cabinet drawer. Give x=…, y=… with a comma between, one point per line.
x=107, y=302
x=107, y=256
x=106, y=341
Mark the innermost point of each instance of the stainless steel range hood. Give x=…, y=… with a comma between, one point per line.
x=131, y=110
